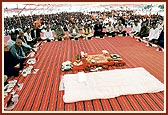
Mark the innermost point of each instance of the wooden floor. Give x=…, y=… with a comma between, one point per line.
x=40, y=91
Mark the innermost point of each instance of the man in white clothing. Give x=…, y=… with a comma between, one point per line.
x=29, y=39
x=110, y=30
x=120, y=29
x=48, y=34
x=154, y=32
x=153, y=35
x=136, y=29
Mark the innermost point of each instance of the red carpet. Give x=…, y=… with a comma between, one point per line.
x=41, y=91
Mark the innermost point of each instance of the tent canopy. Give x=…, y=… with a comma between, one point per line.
x=11, y=9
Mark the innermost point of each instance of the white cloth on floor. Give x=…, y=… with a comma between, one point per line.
x=81, y=77
x=31, y=61
x=109, y=84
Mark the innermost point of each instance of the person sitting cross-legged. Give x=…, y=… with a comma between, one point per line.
x=74, y=32
x=48, y=34
x=17, y=52
x=30, y=40
x=144, y=32
x=26, y=48
x=11, y=64
x=160, y=41
x=136, y=29
x=120, y=29
x=12, y=41
x=110, y=30
x=86, y=32
x=60, y=34
x=98, y=30
x=154, y=34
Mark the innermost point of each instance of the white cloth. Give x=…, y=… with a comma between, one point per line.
x=154, y=33
x=81, y=77
x=109, y=84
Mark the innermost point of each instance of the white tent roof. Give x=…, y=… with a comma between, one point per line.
x=11, y=9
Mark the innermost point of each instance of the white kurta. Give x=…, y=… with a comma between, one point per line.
x=136, y=28
x=49, y=35
x=154, y=33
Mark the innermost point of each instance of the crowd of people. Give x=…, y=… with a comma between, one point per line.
x=25, y=31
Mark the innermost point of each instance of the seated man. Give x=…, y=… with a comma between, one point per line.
x=29, y=39
x=136, y=29
x=110, y=30
x=26, y=47
x=48, y=34
x=22, y=37
x=60, y=34
x=86, y=32
x=155, y=37
x=12, y=41
x=74, y=32
x=17, y=52
x=10, y=63
x=153, y=34
x=144, y=32
x=120, y=29
x=160, y=25
x=160, y=41
x=98, y=30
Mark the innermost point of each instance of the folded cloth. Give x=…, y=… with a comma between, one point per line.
x=35, y=71
x=32, y=54
x=27, y=71
x=31, y=61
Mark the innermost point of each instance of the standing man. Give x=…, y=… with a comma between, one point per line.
x=35, y=33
